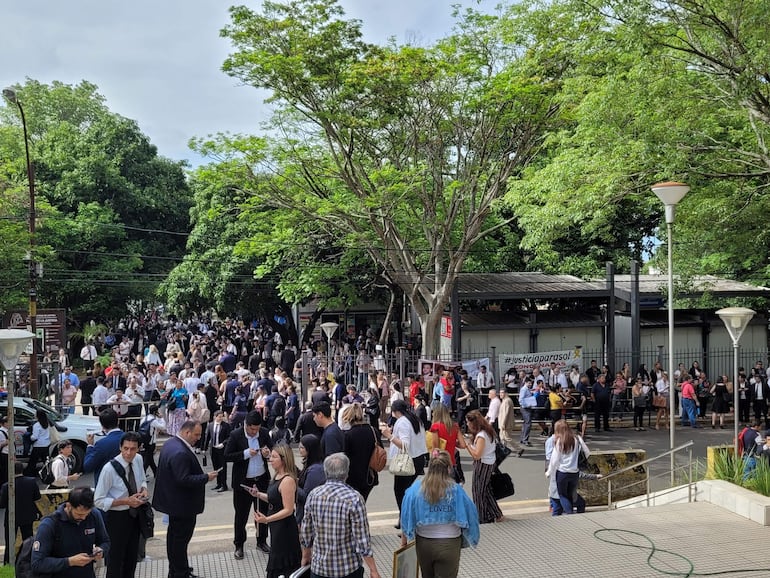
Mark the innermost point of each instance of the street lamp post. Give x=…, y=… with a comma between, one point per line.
x=670, y=193
x=12, y=345
x=10, y=96
x=736, y=319
x=329, y=328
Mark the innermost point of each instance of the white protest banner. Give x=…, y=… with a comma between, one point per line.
x=528, y=361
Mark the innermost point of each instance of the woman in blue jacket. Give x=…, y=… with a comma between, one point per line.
x=440, y=516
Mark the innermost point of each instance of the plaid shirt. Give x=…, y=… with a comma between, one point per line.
x=336, y=527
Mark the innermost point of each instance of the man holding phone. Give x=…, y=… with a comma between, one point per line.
x=248, y=447
x=121, y=490
x=69, y=540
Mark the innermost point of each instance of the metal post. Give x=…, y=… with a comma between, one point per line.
x=736, y=398
x=609, y=494
x=11, y=509
x=671, y=388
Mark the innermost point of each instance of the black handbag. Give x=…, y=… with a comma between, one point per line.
x=502, y=485
x=502, y=451
x=171, y=405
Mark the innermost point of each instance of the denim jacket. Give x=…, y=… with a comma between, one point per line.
x=456, y=507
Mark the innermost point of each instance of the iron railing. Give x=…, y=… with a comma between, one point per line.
x=681, y=473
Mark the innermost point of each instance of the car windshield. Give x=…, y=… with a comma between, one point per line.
x=51, y=412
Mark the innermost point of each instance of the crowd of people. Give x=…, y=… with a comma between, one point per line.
x=232, y=391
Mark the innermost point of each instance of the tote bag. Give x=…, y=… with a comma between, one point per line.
x=402, y=464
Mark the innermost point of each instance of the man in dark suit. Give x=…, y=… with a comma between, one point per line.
x=216, y=438
x=115, y=380
x=248, y=448
x=27, y=493
x=180, y=488
x=105, y=448
x=87, y=387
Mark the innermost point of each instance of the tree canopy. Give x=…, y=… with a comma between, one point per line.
x=404, y=150
x=113, y=215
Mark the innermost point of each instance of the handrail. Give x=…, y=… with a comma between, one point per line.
x=648, y=460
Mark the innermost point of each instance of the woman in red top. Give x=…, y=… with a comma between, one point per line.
x=446, y=431
x=415, y=387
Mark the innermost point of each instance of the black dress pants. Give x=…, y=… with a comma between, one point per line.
x=123, y=530
x=26, y=532
x=602, y=413
x=218, y=461
x=243, y=502
x=178, y=536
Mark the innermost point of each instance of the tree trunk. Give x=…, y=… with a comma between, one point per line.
x=430, y=329
x=388, y=317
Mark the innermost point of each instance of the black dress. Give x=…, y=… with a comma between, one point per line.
x=285, y=554
x=721, y=396
x=359, y=444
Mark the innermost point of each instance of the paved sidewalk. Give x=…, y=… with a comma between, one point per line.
x=712, y=538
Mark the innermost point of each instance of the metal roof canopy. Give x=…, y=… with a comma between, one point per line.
x=522, y=285
x=655, y=285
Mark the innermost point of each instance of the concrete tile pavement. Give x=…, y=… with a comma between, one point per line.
x=711, y=538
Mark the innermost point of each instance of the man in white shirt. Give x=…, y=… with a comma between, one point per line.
x=484, y=379
x=494, y=408
x=88, y=354
x=558, y=378
x=101, y=395
x=527, y=404
x=120, y=491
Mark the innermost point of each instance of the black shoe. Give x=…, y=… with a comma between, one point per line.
x=264, y=547
x=397, y=526
x=527, y=443
x=216, y=487
x=520, y=452
x=222, y=489
x=239, y=553
x=608, y=429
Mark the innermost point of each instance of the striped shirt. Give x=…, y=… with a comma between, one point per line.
x=335, y=526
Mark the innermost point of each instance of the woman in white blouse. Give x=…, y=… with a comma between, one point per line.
x=482, y=450
x=662, y=388
x=564, y=464
x=408, y=432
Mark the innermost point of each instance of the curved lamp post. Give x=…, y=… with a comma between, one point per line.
x=13, y=342
x=10, y=95
x=670, y=193
x=736, y=319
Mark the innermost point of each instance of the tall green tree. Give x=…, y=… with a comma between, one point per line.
x=404, y=150
x=113, y=214
x=637, y=109
x=259, y=262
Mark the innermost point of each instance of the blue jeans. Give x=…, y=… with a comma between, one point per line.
x=689, y=411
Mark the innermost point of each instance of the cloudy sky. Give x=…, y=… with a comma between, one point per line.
x=159, y=61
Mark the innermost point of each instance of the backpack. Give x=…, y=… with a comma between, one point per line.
x=741, y=448
x=46, y=472
x=145, y=432
x=24, y=559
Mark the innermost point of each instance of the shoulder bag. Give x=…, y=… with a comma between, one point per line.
x=502, y=451
x=502, y=485
x=379, y=458
x=402, y=464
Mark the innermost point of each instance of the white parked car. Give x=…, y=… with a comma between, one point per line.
x=72, y=427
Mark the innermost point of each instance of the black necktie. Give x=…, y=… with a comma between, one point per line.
x=216, y=435
x=131, y=488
